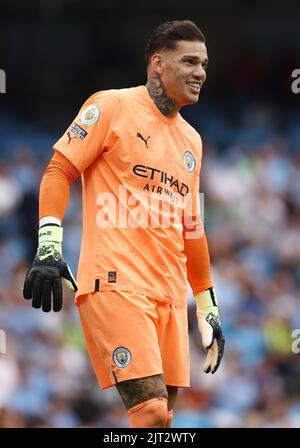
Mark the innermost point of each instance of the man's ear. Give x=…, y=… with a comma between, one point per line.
x=156, y=63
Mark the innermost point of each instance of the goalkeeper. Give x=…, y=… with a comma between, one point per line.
x=139, y=162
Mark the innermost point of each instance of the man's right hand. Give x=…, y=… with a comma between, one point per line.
x=47, y=270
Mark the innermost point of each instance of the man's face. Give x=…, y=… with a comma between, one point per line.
x=182, y=71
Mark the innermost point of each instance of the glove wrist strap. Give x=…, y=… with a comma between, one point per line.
x=207, y=301
x=50, y=234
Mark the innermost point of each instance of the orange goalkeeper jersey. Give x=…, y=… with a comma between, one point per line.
x=139, y=169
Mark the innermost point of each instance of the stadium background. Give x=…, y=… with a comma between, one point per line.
x=55, y=54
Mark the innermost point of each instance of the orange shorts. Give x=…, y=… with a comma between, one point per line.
x=129, y=335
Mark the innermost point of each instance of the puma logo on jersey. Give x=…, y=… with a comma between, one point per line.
x=69, y=137
x=142, y=138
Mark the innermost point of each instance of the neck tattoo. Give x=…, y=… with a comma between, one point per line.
x=158, y=93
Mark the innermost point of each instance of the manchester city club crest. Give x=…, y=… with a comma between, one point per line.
x=122, y=357
x=90, y=115
x=189, y=161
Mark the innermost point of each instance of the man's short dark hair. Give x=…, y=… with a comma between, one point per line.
x=167, y=35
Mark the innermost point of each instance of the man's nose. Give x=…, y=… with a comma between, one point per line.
x=199, y=73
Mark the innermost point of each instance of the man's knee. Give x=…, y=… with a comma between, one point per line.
x=152, y=413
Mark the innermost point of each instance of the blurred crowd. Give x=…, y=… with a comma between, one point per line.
x=251, y=180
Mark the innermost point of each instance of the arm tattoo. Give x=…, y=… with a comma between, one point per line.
x=158, y=93
x=137, y=391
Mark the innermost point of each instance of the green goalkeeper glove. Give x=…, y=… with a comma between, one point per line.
x=210, y=329
x=47, y=270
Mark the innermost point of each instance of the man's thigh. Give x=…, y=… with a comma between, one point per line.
x=137, y=391
x=172, y=396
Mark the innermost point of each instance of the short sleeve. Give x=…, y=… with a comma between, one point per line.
x=84, y=140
